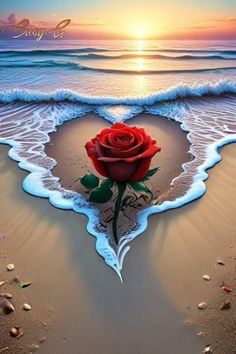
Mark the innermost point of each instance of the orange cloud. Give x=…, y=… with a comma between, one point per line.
x=209, y=28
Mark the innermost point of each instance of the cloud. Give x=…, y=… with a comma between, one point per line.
x=3, y=23
x=224, y=20
x=12, y=19
x=86, y=24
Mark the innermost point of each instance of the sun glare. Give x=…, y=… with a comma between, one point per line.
x=139, y=32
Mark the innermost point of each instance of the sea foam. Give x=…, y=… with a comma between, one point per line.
x=173, y=93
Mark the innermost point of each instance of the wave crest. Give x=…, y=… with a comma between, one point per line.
x=170, y=94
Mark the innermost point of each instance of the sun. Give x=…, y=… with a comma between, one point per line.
x=139, y=32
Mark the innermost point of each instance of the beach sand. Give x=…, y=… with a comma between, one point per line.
x=91, y=311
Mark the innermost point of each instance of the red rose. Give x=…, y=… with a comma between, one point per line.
x=122, y=153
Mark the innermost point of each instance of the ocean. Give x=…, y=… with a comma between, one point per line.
x=45, y=83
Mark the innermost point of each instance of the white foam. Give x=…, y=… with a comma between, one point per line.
x=179, y=91
x=118, y=113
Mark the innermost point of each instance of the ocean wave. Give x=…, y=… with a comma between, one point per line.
x=155, y=56
x=51, y=51
x=42, y=64
x=76, y=66
x=170, y=94
x=95, y=49
x=153, y=72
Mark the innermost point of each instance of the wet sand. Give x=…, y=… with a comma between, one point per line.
x=92, y=311
x=67, y=147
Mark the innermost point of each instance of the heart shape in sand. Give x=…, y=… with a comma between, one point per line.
x=27, y=127
x=67, y=147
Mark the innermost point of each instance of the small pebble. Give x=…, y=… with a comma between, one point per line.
x=207, y=349
x=10, y=267
x=2, y=282
x=225, y=305
x=6, y=305
x=206, y=277
x=14, y=331
x=41, y=340
x=26, y=307
x=202, y=305
x=6, y=295
x=200, y=334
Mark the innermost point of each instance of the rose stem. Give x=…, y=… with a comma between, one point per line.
x=121, y=189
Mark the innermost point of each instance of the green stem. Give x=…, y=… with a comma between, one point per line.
x=121, y=189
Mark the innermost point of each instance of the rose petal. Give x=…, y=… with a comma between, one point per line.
x=121, y=171
x=123, y=153
x=119, y=126
x=141, y=170
x=147, y=153
x=121, y=139
x=92, y=153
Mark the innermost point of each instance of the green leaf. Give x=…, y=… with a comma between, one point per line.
x=89, y=181
x=150, y=173
x=24, y=284
x=139, y=187
x=107, y=184
x=99, y=195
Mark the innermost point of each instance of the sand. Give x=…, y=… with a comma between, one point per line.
x=67, y=147
x=92, y=311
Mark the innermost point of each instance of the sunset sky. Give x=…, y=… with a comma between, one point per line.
x=130, y=19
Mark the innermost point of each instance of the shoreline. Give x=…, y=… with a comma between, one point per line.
x=151, y=270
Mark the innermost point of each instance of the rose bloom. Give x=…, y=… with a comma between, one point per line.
x=122, y=153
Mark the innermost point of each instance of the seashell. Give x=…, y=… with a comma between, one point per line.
x=26, y=307
x=202, y=305
x=20, y=335
x=226, y=289
x=206, y=277
x=220, y=262
x=10, y=267
x=33, y=347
